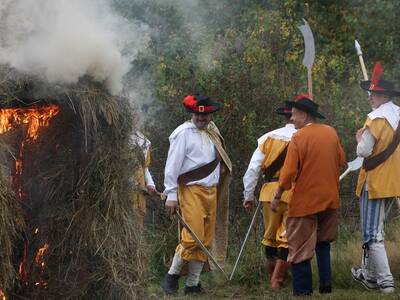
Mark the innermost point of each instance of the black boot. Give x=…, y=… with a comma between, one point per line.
x=302, y=279
x=197, y=289
x=324, y=267
x=170, y=284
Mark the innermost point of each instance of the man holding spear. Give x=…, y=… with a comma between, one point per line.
x=377, y=184
x=268, y=159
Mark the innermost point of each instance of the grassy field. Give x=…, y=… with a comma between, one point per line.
x=250, y=280
x=225, y=290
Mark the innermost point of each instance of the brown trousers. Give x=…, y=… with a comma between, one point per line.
x=305, y=232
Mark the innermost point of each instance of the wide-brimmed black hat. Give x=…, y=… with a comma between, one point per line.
x=201, y=104
x=284, y=111
x=382, y=87
x=304, y=103
x=377, y=85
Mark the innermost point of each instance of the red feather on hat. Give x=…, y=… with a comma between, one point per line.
x=190, y=102
x=302, y=96
x=376, y=74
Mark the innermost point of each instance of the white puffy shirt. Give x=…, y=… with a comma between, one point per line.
x=253, y=172
x=388, y=111
x=190, y=148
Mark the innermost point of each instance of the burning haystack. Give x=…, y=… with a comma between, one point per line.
x=68, y=228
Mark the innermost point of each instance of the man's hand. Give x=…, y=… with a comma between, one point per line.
x=277, y=198
x=248, y=205
x=359, y=134
x=151, y=189
x=171, y=207
x=274, y=204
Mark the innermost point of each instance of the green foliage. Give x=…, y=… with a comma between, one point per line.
x=248, y=54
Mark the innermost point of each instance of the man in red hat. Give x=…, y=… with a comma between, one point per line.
x=196, y=175
x=311, y=168
x=268, y=159
x=377, y=183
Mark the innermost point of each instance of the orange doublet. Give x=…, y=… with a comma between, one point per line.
x=312, y=167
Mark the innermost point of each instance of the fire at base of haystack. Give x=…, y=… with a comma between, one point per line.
x=67, y=223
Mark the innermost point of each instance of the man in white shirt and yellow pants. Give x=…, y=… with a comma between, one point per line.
x=195, y=177
x=378, y=180
x=268, y=158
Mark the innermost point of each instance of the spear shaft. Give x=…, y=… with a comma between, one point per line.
x=360, y=57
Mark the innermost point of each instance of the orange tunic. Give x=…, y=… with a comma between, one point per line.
x=312, y=167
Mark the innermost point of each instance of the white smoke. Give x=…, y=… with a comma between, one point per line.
x=63, y=40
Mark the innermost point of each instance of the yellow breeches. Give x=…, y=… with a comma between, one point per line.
x=139, y=203
x=275, y=225
x=198, y=205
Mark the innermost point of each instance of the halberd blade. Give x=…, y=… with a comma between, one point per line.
x=309, y=54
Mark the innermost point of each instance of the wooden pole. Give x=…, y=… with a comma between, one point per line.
x=309, y=76
x=363, y=69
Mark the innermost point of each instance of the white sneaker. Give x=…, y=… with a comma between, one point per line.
x=386, y=288
x=358, y=275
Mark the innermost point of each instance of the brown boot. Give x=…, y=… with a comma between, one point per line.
x=279, y=274
x=270, y=268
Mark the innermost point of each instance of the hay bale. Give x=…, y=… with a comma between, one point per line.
x=76, y=196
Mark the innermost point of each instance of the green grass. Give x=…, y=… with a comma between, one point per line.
x=234, y=291
x=250, y=281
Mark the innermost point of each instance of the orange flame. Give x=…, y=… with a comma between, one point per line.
x=2, y=295
x=34, y=117
x=39, y=258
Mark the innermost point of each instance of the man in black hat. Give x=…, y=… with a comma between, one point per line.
x=196, y=175
x=267, y=160
x=377, y=183
x=311, y=168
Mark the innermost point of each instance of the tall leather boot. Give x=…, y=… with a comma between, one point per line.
x=279, y=274
x=270, y=266
x=271, y=254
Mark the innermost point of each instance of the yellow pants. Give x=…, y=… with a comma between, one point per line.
x=139, y=203
x=198, y=205
x=275, y=225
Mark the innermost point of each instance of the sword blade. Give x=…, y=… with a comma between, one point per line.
x=200, y=243
x=245, y=239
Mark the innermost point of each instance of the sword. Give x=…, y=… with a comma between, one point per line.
x=309, y=52
x=245, y=239
x=144, y=191
x=194, y=236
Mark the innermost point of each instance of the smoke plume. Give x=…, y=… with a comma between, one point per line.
x=63, y=40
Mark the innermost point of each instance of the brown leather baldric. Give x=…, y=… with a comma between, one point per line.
x=201, y=172
x=374, y=161
x=275, y=166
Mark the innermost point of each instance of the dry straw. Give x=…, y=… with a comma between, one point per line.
x=76, y=179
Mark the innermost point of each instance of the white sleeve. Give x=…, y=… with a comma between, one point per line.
x=176, y=155
x=250, y=178
x=148, y=178
x=366, y=145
